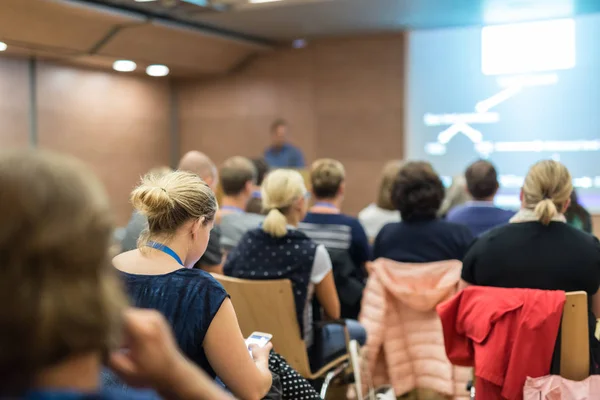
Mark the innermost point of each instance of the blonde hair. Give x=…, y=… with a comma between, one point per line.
x=547, y=189
x=61, y=296
x=280, y=189
x=171, y=200
x=456, y=195
x=326, y=177
x=388, y=176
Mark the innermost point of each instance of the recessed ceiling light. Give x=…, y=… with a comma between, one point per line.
x=262, y=1
x=299, y=43
x=124, y=66
x=3, y=46
x=157, y=70
x=144, y=1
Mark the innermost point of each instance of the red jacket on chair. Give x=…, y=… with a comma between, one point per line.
x=508, y=334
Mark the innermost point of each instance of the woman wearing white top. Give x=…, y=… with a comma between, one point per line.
x=376, y=215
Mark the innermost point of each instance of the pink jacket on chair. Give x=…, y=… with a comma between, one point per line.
x=405, y=342
x=553, y=387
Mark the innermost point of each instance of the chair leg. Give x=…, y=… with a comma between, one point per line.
x=331, y=375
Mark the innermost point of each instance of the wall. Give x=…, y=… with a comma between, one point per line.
x=119, y=125
x=343, y=98
x=14, y=103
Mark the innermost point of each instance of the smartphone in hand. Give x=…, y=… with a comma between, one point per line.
x=258, y=338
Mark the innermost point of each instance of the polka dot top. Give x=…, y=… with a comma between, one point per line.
x=261, y=256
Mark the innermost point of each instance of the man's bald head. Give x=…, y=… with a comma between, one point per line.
x=201, y=165
x=482, y=180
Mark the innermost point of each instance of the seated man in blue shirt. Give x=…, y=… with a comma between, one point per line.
x=480, y=215
x=282, y=154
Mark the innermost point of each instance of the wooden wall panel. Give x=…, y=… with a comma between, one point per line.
x=343, y=98
x=118, y=124
x=231, y=115
x=14, y=103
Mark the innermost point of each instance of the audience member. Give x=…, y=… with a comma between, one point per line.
x=180, y=209
x=538, y=250
x=382, y=212
x=578, y=216
x=64, y=310
x=278, y=250
x=254, y=205
x=456, y=195
x=238, y=179
x=421, y=237
x=199, y=164
x=137, y=223
x=480, y=214
x=281, y=153
x=342, y=235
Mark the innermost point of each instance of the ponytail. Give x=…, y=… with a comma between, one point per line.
x=275, y=223
x=545, y=210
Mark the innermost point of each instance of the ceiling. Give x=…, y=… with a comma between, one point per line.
x=290, y=19
x=95, y=36
x=207, y=37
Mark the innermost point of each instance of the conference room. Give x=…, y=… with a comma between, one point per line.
x=299, y=199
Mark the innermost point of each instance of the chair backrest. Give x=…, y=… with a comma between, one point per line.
x=268, y=306
x=575, y=340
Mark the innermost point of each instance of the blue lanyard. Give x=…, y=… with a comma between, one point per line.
x=325, y=205
x=166, y=250
x=232, y=208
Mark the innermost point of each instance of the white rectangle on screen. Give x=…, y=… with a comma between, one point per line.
x=528, y=47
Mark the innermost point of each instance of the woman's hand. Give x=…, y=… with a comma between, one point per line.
x=261, y=354
x=152, y=359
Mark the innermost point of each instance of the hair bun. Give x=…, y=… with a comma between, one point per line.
x=151, y=199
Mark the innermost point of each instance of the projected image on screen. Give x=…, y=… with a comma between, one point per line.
x=513, y=94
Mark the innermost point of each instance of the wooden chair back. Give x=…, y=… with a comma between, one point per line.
x=268, y=306
x=575, y=340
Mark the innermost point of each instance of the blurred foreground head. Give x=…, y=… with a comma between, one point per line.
x=59, y=295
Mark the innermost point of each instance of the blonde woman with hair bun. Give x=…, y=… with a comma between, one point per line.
x=278, y=250
x=538, y=249
x=180, y=208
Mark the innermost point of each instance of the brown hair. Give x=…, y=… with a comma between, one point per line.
x=418, y=191
x=547, y=189
x=60, y=294
x=170, y=201
x=388, y=175
x=262, y=169
x=235, y=174
x=326, y=177
x=277, y=123
x=482, y=179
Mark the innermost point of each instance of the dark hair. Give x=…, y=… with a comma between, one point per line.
x=576, y=211
x=482, y=179
x=417, y=192
x=235, y=173
x=277, y=123
x=262, y=168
